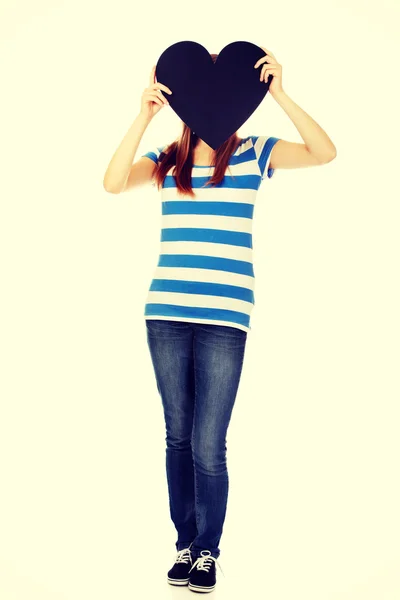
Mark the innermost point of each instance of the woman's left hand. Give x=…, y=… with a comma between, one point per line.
x=271, y=67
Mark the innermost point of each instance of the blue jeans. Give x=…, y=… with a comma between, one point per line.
x=197, y=368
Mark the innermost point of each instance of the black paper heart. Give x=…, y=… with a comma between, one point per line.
x=214, y=100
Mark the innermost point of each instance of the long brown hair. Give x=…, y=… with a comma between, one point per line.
x=180, y=154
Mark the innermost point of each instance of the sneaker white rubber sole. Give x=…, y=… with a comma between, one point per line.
x=199, y=588
x=178, y=581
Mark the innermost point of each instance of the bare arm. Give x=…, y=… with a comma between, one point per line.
x=317, y=149
x=121, y=163
x=121, y=174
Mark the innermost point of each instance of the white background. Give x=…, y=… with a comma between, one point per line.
x=313, y=444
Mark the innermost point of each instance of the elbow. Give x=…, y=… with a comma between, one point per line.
x=329, y=157
x=110, y=189
x=334, y=153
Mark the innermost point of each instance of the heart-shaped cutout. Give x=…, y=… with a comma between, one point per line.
x=213, y=99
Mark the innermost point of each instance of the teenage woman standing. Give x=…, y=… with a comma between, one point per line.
x=198, y=307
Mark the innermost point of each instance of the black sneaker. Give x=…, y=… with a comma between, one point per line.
x=179, y=574
x=203, y=573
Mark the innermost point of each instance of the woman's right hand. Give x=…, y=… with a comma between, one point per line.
x=152, y=98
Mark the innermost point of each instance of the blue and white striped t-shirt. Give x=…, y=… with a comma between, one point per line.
x=205, y=268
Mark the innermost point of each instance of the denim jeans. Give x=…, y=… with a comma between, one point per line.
x=197, y=368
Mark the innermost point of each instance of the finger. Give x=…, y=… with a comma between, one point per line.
x=262, y=72
x=154, y=98
x=152, y=75
x=161, y=86
x=264, y=59
x=266, y=72
x=269, y=68
x=161, y=95
x=268, y=52
x=158, y=93
x=266, y=75
x=270, y=56
x=266, y=67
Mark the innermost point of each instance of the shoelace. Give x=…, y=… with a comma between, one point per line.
x=204, y=562
x=183, y=556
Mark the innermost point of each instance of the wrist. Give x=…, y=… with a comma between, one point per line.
x=144, y=118
x=278, y=94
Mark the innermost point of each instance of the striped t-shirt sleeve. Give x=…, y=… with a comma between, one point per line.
x=262, y=146
x=154, y=154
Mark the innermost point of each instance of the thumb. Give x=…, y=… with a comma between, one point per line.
x=152, y=75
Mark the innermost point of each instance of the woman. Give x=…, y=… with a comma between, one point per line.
x=198, y=307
